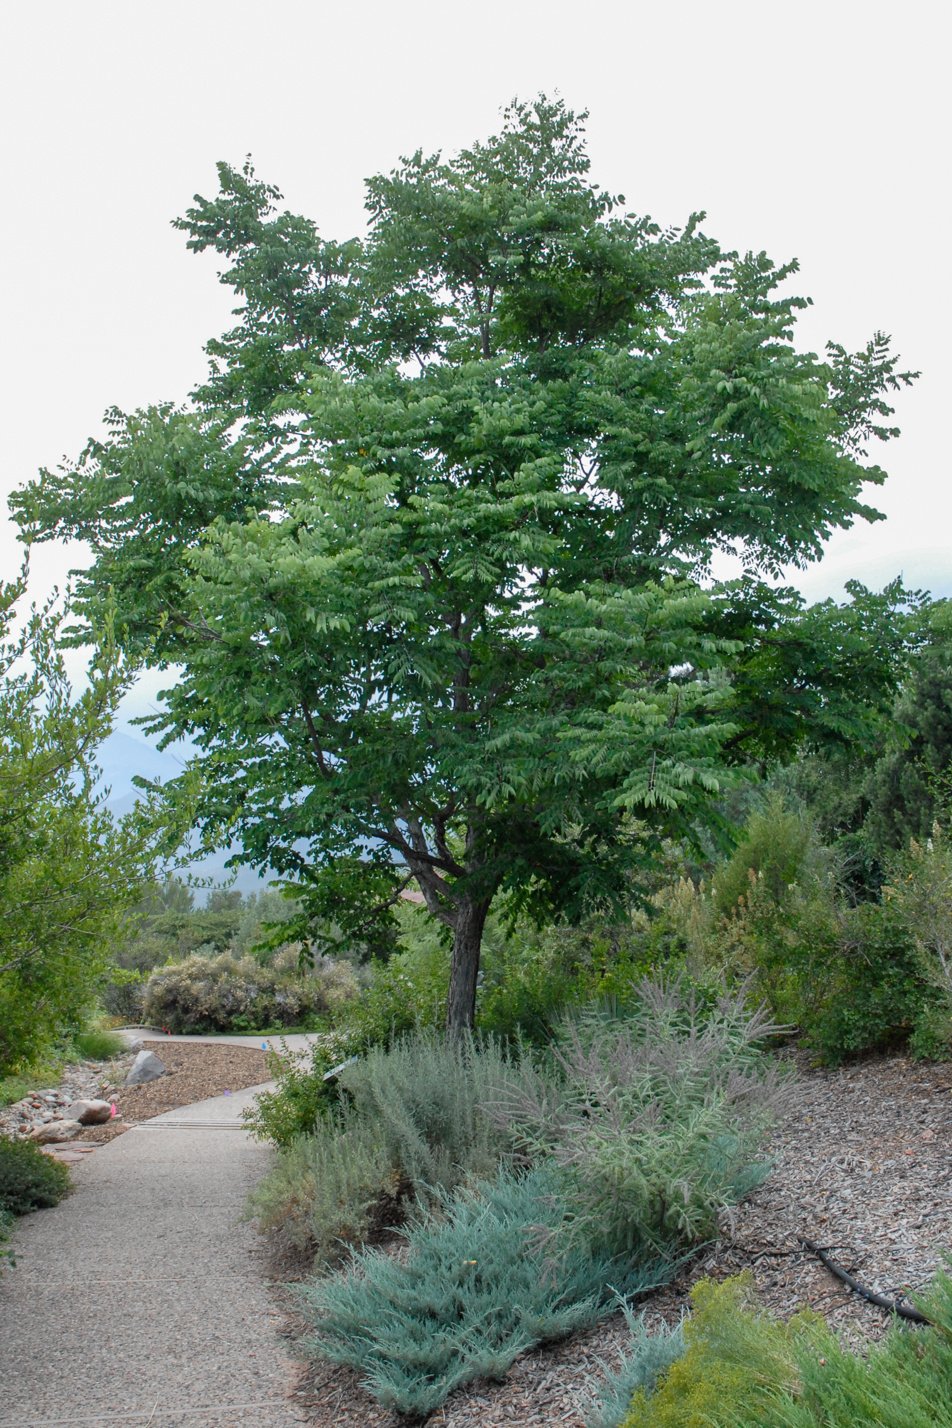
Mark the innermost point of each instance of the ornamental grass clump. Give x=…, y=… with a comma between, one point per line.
x=655, y=1116
x=475, y=1287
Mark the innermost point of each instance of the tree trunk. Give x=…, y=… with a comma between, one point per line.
x=464, y=967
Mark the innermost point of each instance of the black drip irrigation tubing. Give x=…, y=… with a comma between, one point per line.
x=895, y=1306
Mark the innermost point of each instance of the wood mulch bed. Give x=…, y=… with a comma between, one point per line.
x=195, y=1070
x=861, y=1164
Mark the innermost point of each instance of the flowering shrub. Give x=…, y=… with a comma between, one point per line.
x=226, y=993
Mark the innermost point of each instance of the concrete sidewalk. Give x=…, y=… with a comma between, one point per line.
x=141, y=1299
x=293, y=1041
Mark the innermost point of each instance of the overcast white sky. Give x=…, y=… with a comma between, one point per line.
x=811, y=130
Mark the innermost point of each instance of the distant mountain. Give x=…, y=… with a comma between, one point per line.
x=122, y=757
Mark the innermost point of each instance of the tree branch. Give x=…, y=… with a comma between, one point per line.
x=313, y=736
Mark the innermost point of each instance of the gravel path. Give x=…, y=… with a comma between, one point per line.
x=142, y=1299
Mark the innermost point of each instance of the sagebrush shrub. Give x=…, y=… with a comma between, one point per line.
x=473, y=1290
x=327, y=1190
x=425, y=1095
x=406, y=994
x=406, y=1121
x=29, y=1180
x=226, y=993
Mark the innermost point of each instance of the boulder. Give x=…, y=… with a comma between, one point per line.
x=55, y=1131
x=146, y=1067
x=89, y=1113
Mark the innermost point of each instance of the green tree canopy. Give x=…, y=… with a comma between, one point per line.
x=433, y=544
x=910, y=786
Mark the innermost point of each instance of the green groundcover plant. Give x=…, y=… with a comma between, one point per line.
x=29, y=1180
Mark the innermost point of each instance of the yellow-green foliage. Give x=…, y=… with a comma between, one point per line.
x=744, y=1369
x=736, y=1362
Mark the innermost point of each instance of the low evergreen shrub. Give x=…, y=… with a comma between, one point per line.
x=868, y=994
x=408, y=1123
x=29, y=1180
x=426, y=1095
x=846, y=976
x=645, y=1360
x=474, y=1289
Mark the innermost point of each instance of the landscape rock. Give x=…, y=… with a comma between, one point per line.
x=89, y=1113
x=82, y=1081
x=55, y=1131
x=146, y=1067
